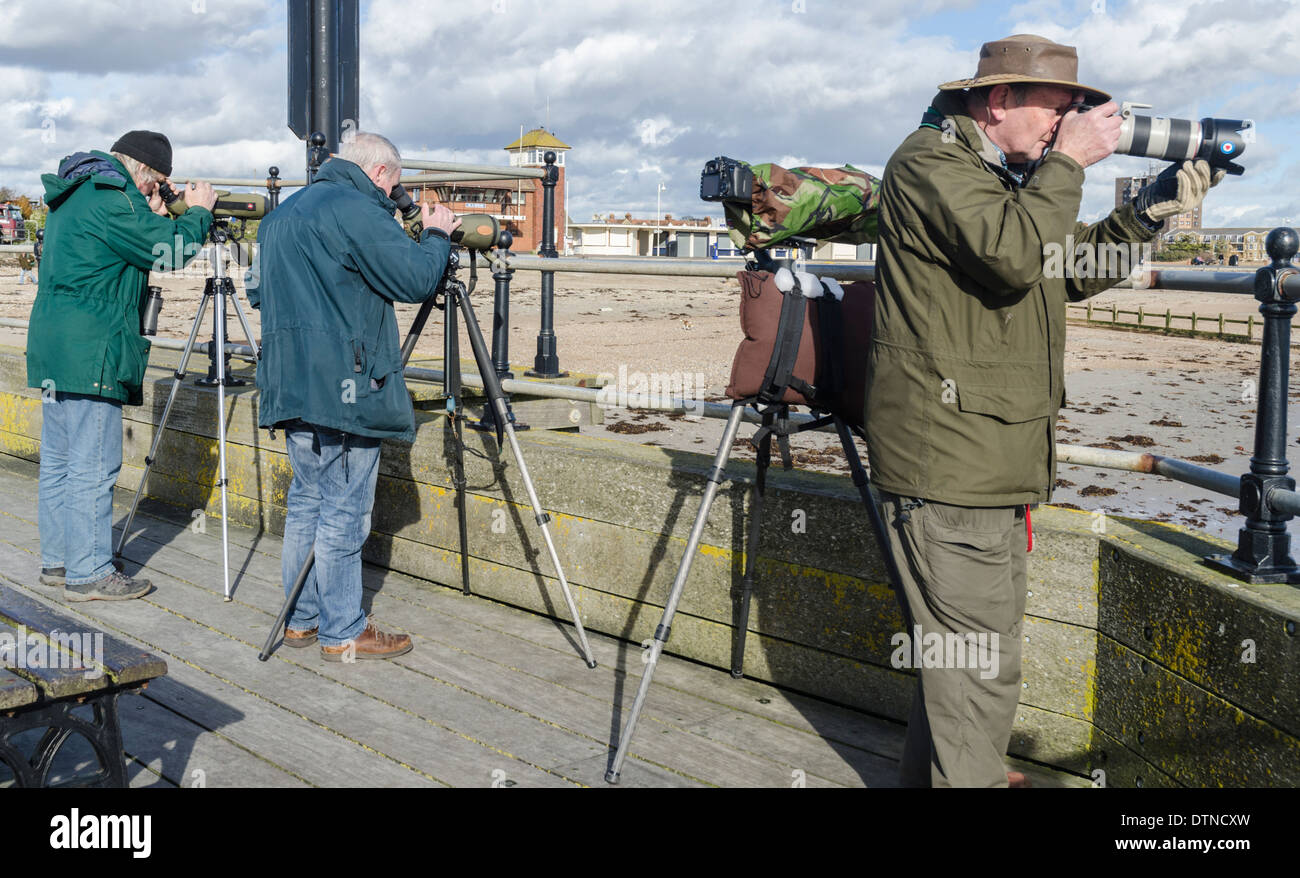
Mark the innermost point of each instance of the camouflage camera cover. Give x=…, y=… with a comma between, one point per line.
x=827, y=204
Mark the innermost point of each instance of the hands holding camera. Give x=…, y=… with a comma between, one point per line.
x=1089, y=137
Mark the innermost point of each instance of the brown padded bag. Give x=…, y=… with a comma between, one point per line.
x=760, y=312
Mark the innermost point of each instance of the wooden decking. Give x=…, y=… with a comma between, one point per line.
x=491, y=695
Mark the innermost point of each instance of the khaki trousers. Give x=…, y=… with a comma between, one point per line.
x=963, y=597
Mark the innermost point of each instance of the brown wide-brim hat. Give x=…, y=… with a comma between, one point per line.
x=1028, y=58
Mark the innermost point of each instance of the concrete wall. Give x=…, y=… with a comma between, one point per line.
x=1139, y=663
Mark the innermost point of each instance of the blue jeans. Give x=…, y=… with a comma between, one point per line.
x=329, y=504
x=81, y=454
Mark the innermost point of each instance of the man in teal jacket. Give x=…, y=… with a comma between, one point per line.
x=332, y=260
x=107, y=228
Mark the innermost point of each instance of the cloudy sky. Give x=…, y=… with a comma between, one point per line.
x=644, y=90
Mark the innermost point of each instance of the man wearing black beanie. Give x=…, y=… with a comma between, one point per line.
x=107, y=228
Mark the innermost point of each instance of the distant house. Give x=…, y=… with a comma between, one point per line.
x=1244, y=242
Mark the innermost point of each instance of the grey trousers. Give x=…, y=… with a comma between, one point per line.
x=963, y=598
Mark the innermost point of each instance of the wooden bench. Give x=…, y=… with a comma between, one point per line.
x=59, y=682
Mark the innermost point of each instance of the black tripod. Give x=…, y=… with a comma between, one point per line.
x=454, y=295
x=218, y=284
x=774, y=415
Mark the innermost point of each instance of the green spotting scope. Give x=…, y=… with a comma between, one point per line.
x=478, y=231
x=239, y=206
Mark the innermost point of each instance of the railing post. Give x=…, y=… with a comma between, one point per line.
x=1263, y=546
x=547, y=362
x=273, y=186
x=501, y=275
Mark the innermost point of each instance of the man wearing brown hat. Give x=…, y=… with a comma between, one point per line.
x=966, y=371
x=107, y=228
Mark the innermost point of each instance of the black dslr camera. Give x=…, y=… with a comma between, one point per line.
x=725, y=179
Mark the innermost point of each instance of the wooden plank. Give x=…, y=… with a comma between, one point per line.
x=142, y=777
x=63, y=680
x=188, y=755
x=122, y=662
x=15, y=691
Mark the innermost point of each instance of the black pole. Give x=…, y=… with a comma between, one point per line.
x=547, y=362
x=325, y=77
x=501, y=275
x=1263, y=546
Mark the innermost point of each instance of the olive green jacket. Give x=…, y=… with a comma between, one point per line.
x=966, y=371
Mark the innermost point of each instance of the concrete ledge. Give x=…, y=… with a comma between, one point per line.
x=1139, y=663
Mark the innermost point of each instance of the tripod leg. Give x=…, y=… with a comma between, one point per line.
x=452, y=389
x=869, y=500
x=741, y=601
x=716, y=475
x=219, y=320
x=292, y=599
x=498, y=402
x=177, y=377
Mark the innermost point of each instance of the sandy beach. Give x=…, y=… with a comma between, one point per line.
x=1181, y=397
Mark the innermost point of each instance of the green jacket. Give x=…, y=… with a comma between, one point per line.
x=101, y=241
x=966, y=370
x=331, y=262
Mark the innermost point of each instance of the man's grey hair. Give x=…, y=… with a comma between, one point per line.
x=140, y=173
x=367, y=150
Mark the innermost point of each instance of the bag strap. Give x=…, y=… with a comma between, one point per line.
x=785, y=350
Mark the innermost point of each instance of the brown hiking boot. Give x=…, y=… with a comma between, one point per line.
x=299, y=639
x=372, y=644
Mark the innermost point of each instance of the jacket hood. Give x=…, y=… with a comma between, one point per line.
x=337, y=170
x=98, y=167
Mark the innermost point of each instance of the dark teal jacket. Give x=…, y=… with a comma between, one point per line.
x=101, y=242
x=331, y=262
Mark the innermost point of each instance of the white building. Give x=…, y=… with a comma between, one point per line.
x=689, y=237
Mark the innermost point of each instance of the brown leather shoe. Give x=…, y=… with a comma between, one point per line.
x=299, y=639
x=1017, y=780
x=372, y=644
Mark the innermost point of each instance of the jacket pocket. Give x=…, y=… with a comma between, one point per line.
x=1011, y=405
x=125, y=357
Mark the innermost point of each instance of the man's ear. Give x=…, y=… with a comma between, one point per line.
x=999, y=101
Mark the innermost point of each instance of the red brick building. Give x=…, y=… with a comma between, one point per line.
x=516, y=203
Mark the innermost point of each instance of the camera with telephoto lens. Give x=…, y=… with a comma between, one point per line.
x=1217, y=141
x=725, y=179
